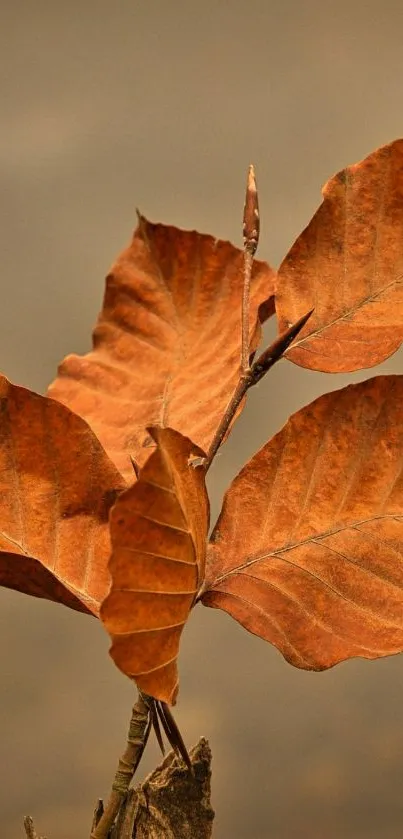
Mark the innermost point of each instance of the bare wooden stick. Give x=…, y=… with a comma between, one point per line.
x=251, y=227
x=139, y=729
x=259, y=368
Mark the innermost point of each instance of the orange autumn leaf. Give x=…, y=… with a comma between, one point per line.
x=166, y=348
x=56, y=488
x=348, y=266
x=158, y=532
x=308, y=550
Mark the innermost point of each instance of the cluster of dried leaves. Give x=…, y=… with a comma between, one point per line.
x=307, y=551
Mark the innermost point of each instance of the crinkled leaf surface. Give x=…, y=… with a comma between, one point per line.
x=158, y=531
x=348, y=266
x=56, y=488
x=308, y=551
x=167, y=343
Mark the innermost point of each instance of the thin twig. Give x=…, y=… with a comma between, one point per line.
x=139, y=730
x=250, y=376
x=98, y=813
x=251, y=227
x=259, y=368
x=248, y=262
x=226, y=420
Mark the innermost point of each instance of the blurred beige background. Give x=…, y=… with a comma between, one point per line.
x=162, y=105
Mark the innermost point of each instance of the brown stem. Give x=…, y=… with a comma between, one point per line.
x=251, y=229
x=227, y=417
x=136, y=740
x=259, y=368
x=248, y=262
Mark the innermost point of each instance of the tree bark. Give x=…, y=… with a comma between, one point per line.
x=172, y=803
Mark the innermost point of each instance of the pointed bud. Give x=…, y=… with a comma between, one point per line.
x=172, y=732
x=277, y=349
x=156, y=726
x=136, y=467
x=251, y=220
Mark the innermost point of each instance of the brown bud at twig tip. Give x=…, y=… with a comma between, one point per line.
x=251, y=220
x=277, y=349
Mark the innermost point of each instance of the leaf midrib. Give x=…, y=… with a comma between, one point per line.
x=315, y=538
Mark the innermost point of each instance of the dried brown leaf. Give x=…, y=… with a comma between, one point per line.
x=167, y=343
x=158, y=532
x=348, y=266
x=308, y=550
x=56, y=488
